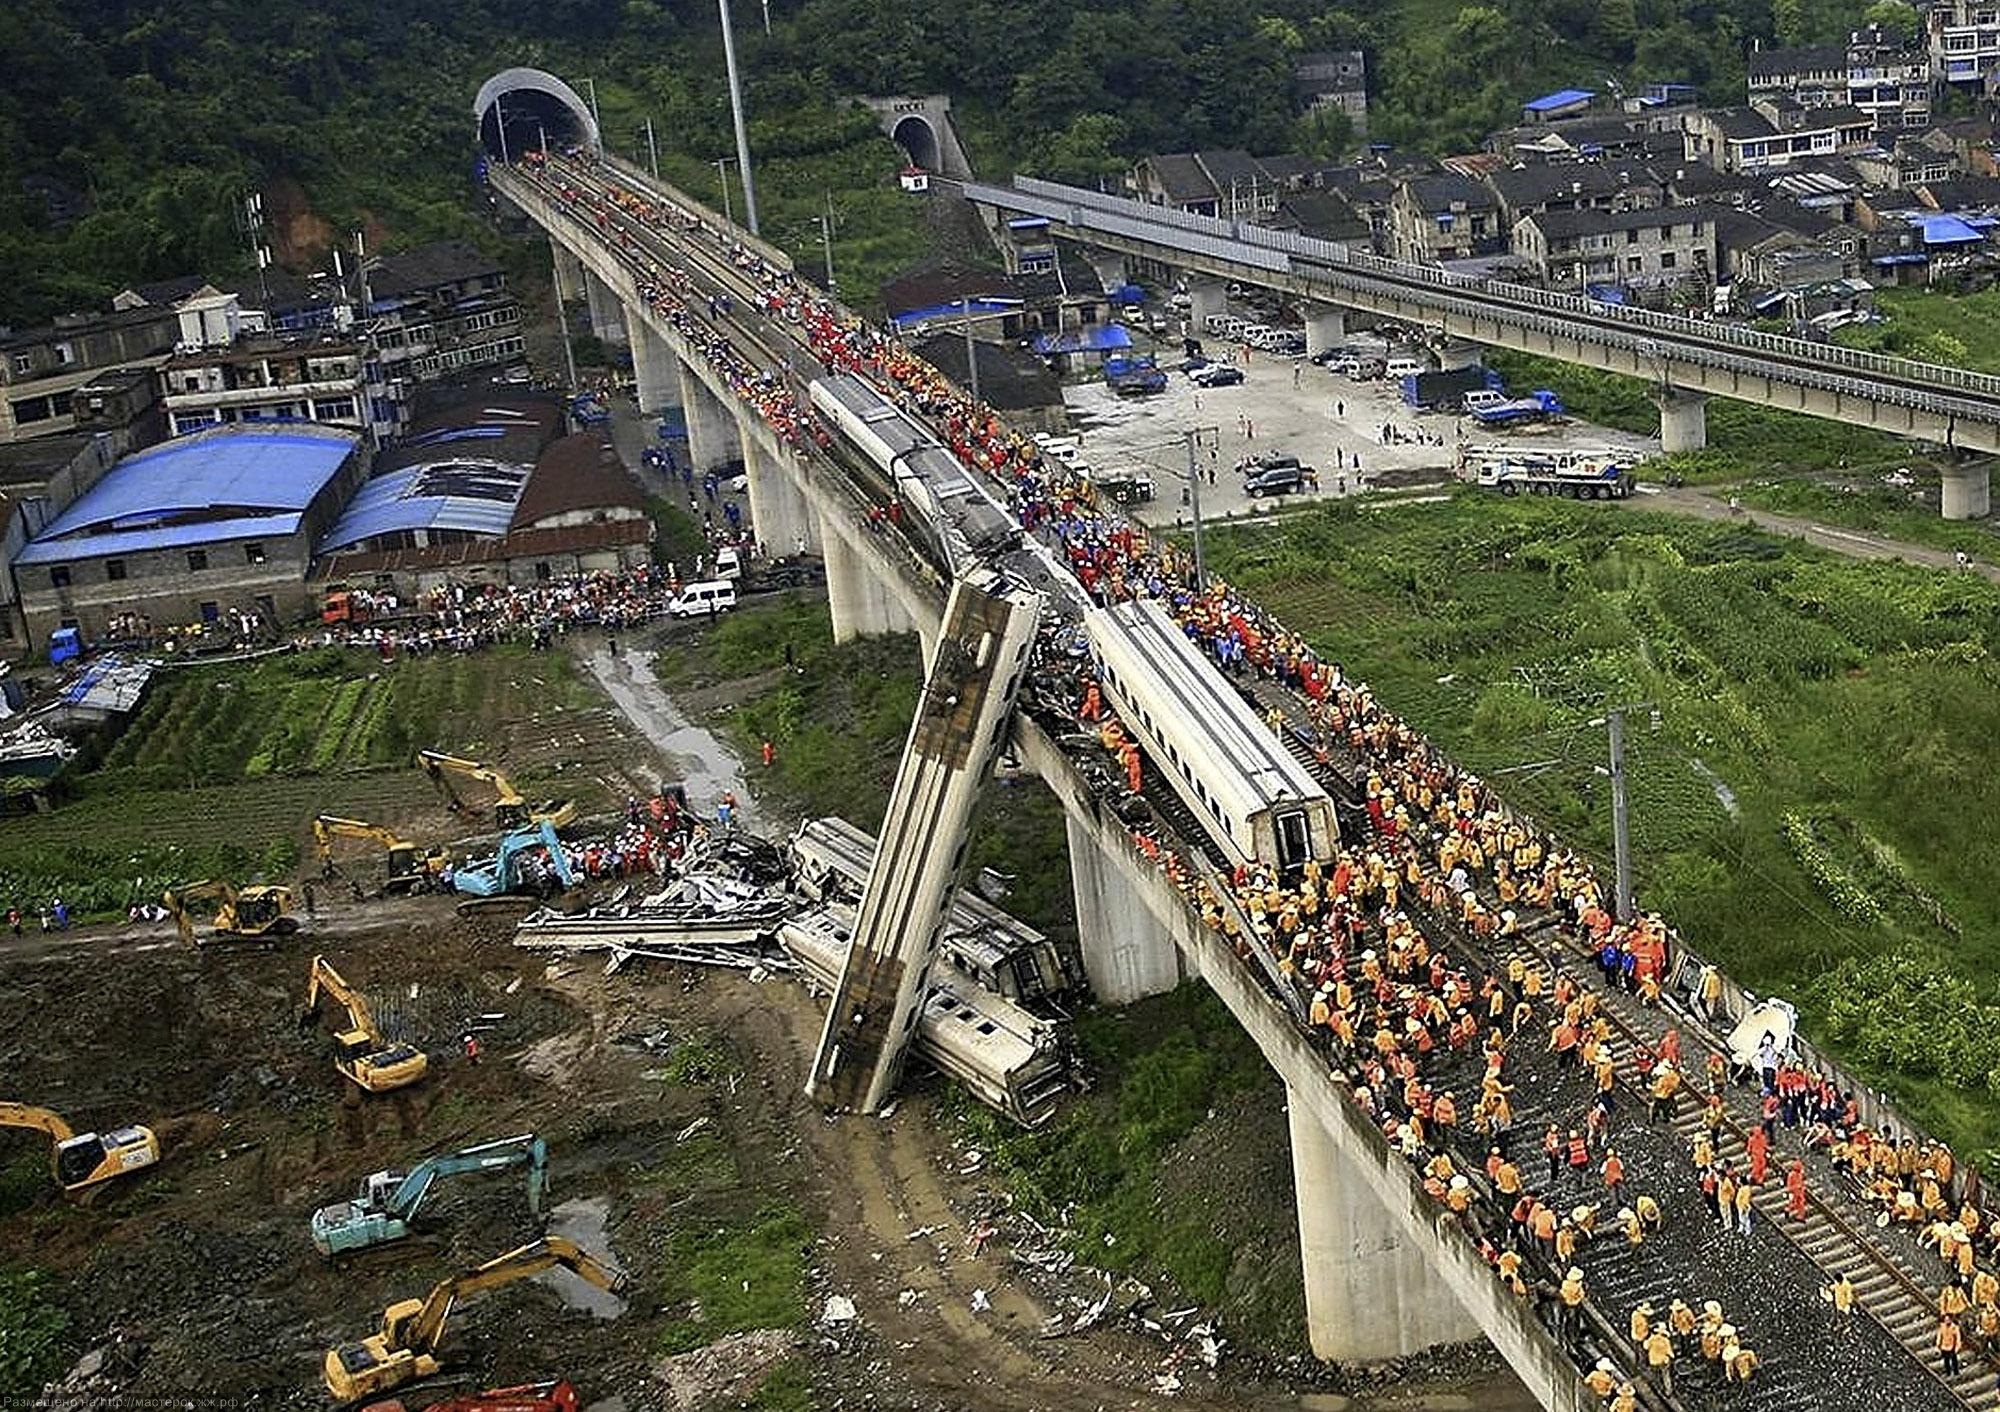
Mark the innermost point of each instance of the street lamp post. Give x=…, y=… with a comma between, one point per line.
x=971, y=354
x=721, y=165
x=652, y=149
x=1196, y=438
x=596, y=121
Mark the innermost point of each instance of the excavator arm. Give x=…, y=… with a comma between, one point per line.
x=406, y=1347
x=527, y=1150
x=364, y=1054
x=324, y=977
x=25, y=1115
x=177, y=899
x=510, y=809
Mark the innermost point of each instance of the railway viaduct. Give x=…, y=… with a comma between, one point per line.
x=1686, y=360
x=1387, y=1273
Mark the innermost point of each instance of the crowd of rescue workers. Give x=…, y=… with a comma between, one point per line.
x=1428, y=1032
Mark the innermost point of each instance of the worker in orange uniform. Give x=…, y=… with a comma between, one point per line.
x=1570, y=1292
x=1795, y=1189
x=1614, y=1171
x=1659, y=1349
x=1759, y=1146
x=1128, y=753
x=770, y=754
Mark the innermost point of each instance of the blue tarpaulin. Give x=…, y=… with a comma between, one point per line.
x=1949, y=230
x=1109, y=339
x=956, y=310
x=1567, y=98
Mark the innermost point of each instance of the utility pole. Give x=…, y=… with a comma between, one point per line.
x=826, y=242
x=971, y=355
x=542, y=132
x=596, y=121
x=252, y=217
x=767, y=18
x=1620, y=828
x=721, y=165
x=1197, y=437
x=652, y=150
x=500, y=126
x=562, y=315
x=736, y=112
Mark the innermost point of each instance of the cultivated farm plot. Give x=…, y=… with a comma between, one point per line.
x=222, y=769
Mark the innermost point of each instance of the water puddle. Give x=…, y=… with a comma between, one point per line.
x=585, y=1221
x=707, y=767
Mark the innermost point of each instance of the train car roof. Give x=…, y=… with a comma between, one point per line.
x=898, y=430
x=973, y=923
x=1143, y=640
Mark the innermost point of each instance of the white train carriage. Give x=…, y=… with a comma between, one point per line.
x=948, y=498
x=999, y=951
x=1011, y=1060
x=1253, y=796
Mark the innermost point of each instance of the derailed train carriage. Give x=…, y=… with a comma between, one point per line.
x=1011, y=1060
x=966, y=522
x=1252, y=796
x=1000, y=952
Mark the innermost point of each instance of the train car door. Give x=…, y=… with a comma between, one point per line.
x=1294, y=834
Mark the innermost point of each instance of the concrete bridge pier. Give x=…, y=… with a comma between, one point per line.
x=861, y=604
x=1205, y=296
x=569, y=280
x=1370, y=1296
x=1128, y=952
x=1110, y=269
x=655, y=370
x=607, y=311
x=713, y=440
x=1683, y=420
x=1968, y=491
x=1326, y=327
x=778, y=509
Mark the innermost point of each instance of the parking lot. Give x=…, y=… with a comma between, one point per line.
x=1358, y=436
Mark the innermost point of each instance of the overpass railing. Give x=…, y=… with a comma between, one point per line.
x=1085, y=209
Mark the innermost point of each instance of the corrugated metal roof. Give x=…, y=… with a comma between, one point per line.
x=1565, y=98
x=226, y=483
x=467, y=495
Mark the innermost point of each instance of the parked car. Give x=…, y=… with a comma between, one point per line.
x=1274, y=480
x=1216, y=375
x=1197, y=361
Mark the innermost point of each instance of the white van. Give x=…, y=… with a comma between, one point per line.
x=1403, y=368
x=704, y=599
x=728, y=564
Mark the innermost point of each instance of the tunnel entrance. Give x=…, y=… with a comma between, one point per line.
x=518, y=109
x=915, y=135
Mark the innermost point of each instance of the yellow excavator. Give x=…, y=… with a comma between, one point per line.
x=363, y=1056
x=510, y=810
x=409, y=869
x=260, y=912
x=85, y=1159
x=406, y=1348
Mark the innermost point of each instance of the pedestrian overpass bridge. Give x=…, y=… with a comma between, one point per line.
x=1687, y=360
x=1387, y=1270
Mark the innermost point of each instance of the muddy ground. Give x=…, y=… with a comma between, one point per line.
x=671, y=1096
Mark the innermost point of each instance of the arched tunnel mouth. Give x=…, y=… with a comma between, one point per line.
x=522, y=110
x=918, y=140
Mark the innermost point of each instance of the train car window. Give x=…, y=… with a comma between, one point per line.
x=1294, y=840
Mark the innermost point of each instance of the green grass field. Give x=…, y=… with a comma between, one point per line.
x=1824, y=733
x=221, y=769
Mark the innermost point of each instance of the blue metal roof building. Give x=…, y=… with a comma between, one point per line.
x=216, y=526
x=430, y=504
x=236, y=482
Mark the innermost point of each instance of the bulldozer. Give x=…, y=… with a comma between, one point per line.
x=362, y=1055
x=405, y=1348
x=260, y=912
x=410, y=869
x=83, y=1160
x=510, y=810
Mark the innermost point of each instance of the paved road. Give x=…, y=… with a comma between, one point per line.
x=1856, y=544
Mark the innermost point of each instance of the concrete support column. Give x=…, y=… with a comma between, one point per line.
x=607, y=311
x=778, y=510
x=1369, y=1296
x=1205, y=296
x=1326, y=327
x=1968, y=493
x=1457, y=353
x=1127, y=953
x=654, y=368
x=1683, y=420
x=859, y=604
x=570, y=281
x=1110, y=269
x=712, y=437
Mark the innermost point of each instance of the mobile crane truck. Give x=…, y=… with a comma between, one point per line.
x=363, y=1054
x=406, y=1346
x=386, y=1207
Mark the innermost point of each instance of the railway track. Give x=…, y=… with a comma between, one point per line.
x=1889, y=1292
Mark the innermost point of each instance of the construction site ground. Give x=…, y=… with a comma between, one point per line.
x=679, y=1136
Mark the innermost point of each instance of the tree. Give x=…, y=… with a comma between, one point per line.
x=1897, y=17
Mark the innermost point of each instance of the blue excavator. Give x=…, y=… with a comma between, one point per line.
x=529, y=860
x=386, y=1207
